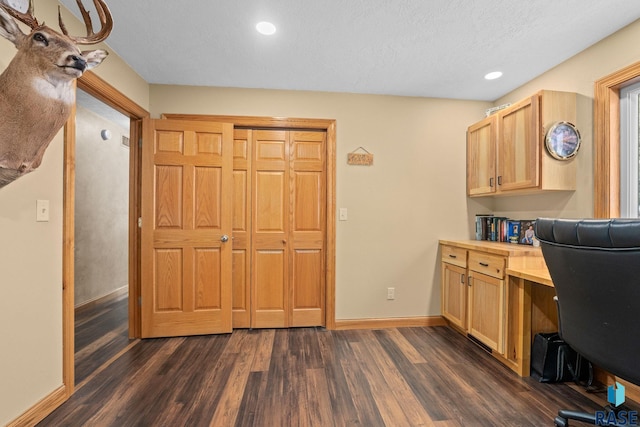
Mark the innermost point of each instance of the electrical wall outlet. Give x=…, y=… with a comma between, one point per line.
x=391, y=293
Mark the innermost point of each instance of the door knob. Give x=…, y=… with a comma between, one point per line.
x=224, y=238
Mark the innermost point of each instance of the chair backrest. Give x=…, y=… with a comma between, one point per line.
x=595, y=268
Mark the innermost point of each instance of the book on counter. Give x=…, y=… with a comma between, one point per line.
x=513, y=233
x=492, y=228
x=481, y=225
x=502, y=229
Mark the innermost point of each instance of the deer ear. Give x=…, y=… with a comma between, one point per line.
x=94, y=57
x=9, y=29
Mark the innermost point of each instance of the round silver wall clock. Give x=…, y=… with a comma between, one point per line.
x=562, y=140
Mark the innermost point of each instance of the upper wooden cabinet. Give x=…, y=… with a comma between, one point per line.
x=506, y=154
x=519, y=145
x=481, y=157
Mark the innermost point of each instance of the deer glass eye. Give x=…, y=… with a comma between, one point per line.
x=40, y=38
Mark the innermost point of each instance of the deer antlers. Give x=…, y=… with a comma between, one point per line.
x=26, y=18
x=106, y=21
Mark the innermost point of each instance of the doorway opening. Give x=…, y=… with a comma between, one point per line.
x=92, y=89
x=101, y=232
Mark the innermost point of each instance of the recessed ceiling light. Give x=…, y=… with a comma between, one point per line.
x=493, y=75
x=266, y=28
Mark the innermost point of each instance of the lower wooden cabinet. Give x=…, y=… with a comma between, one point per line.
x=486, y=298
x=473, y=294
x=487, y=310
x=499, y=310
x=454, y=295
x=454, y=286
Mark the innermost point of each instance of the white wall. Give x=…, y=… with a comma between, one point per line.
x=31, y=255
x=31, y=288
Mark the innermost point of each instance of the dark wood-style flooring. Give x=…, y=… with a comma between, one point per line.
x=428, y=376
x=101, y=332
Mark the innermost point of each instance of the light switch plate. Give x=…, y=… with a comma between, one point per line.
x=42, y=210
x=343, y=214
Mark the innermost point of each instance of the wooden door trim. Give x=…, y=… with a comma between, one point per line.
x=103, y=91
x=327, y=125
x=606, y=140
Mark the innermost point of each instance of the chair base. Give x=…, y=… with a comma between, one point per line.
x=619, y=416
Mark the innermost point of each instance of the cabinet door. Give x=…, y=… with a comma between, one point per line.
x=519, y=146
x=481, y=157
x=454, y=295
x=486, y=310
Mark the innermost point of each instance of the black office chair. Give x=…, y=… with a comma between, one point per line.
x=595, y=268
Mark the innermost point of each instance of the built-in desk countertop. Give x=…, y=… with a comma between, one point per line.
x=537, y=275
x=496, y=248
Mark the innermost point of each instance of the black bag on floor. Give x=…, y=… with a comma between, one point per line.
x=552, y=360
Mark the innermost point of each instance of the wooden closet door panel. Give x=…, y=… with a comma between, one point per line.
x=186, y=266
x=308, y=219
x=271, y=210
x=241, y=228
x=307, y=308
x=270, y=225
x=270, y=302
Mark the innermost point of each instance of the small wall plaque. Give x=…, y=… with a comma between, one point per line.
x=361, y=159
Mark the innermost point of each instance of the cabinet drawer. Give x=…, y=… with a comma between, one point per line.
x=454, y=255
x=491, y=265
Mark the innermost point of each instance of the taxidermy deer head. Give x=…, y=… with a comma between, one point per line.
x=37, y=90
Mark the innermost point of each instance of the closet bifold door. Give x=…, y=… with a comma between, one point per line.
x=270, y=225
x=307, y=228
x=288, y=228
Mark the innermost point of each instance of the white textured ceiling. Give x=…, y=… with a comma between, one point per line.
x=431, y=48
